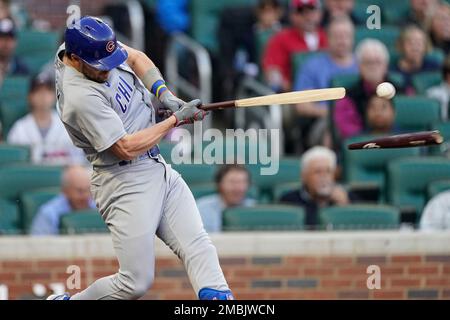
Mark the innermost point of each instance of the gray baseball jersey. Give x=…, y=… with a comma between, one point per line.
x=96, y=115
x=136, y=200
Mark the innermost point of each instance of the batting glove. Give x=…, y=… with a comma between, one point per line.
x=189, y=113
x=170, y=101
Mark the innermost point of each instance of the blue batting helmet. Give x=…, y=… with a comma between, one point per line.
x=94, y=42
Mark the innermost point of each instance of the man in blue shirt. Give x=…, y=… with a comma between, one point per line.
x=317, y=73
x=75, y=195
x=233, y=182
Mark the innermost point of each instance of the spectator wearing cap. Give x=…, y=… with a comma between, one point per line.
x=304, y=34
x=441, y=92
x=42, y=129
x=337, y=60
x=9, y=63
x=232, y=182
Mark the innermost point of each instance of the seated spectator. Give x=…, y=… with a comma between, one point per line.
x=233, y=182
x=304, y=34
x=420, y=12
x=9, y=63
x=319, y=188
x=42, y=129
x=339, y=8
x=173, y=16
x=350, y=112
x=413, y=47
x=380, y=116
x=440, y=28
x=436, y=215
x=337, y=60
x=442, y=91
x=75, y=195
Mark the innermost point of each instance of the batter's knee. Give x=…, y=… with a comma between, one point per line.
x=135, y=285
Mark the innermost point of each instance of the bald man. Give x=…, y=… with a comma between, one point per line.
x=75, y=195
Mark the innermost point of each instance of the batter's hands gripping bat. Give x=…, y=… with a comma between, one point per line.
x=414, y=139
x=280, y=98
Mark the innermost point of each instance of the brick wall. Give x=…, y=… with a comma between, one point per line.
x=262, y=277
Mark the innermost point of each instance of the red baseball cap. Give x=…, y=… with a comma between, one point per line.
x=300, y=4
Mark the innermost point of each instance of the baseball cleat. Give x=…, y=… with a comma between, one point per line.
x=64, y=296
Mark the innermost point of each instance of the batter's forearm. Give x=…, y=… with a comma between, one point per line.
x=133, y=145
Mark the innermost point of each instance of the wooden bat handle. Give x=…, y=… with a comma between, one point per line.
x=406, y=140
x=218, y=105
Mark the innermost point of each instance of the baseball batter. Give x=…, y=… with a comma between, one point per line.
x=103, y=90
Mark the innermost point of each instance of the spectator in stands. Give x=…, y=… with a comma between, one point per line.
x=441, y=92
x=9, y=63
x=319, y=188
x=337, y=60
x=233, y=182
x=420, y=12
x=42, y=129
x=304, y=34
x=413, y=47
x=75, y=195
x=339, y=8
x=436, y=215
x=241, y=34
x=350, y=112
x=440, y=28
x=380, y=116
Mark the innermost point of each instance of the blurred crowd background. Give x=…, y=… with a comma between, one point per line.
x=221, y=50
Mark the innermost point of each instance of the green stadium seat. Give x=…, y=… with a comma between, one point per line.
x=83, y=221
x=360, y=217
x=281, y=189
x=36, y=47
x=9, y=218
x=369, y=166
x=416, y=113
x=387, y=34
x=264, y=217
x=443, y=148
x=13, y=100
x=205, y=19
x=15, y=180
x=426, y=80
x=288, y=171
x=31, y=201
x=13, y=154
x=196, y=173
x=394, y=12
x=436, y=187
x=408, y=179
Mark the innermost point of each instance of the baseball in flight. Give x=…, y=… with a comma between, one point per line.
x=386, y=90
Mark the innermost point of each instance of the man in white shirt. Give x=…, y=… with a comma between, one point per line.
x=42, y=129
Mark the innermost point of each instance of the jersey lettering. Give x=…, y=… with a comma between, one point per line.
x=125, y=92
